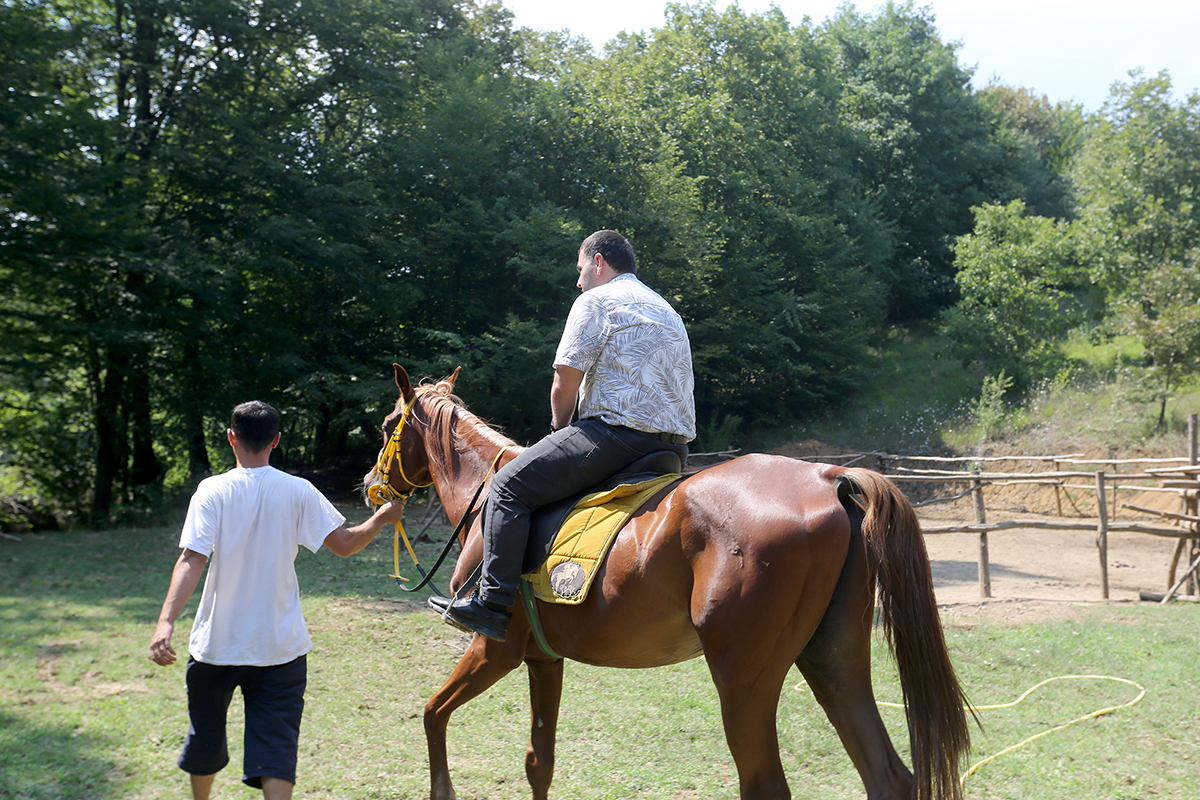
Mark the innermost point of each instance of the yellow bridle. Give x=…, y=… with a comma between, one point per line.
x=384, y=492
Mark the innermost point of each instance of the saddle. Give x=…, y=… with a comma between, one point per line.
x=609, y=505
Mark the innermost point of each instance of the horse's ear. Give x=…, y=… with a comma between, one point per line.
x=402, y=382
x=453, y=377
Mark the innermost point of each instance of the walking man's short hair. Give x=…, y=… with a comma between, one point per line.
x=255, y=424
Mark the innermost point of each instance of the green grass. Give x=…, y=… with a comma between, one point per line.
x=85, y=714
x=1102, y=354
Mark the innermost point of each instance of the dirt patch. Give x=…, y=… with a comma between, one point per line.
x=1043, y=573
x=1039, y=574
x=1035, y=574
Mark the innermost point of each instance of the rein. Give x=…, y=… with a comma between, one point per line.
x=384, y=492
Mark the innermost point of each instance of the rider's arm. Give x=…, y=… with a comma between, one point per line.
x=563, y=394
x=348, y=541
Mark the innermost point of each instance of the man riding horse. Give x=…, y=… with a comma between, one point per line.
x=624, y=369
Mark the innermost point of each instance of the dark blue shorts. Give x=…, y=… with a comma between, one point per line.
x=274, y=699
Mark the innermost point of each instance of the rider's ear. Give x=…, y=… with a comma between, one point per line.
x=402, y=382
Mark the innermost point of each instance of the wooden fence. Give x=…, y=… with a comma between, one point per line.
x=1178, y=476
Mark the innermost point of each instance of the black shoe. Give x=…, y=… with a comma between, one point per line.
x=473, y=615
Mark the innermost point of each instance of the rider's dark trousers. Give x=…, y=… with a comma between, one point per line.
x=566, y=462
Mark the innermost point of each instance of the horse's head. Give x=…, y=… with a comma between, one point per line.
x=403, y=464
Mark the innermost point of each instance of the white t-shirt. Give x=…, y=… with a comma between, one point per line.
x=635, y=355
x=250, y=523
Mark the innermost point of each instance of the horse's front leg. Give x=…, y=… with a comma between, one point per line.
x=545, y=697
x=484, y=663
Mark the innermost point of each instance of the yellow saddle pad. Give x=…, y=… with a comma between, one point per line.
x=585, y=537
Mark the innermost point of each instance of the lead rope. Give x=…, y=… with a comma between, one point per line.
x=1141, y=693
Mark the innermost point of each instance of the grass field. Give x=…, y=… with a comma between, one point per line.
x=85, y=714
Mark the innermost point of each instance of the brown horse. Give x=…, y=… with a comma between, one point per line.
x=759, y=564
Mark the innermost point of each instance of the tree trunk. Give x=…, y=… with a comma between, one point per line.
x=145, y=468
x=108, y=377
x=199, y=465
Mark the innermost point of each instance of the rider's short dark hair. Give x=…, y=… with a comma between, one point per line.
x=615, y=248
x=255, y=425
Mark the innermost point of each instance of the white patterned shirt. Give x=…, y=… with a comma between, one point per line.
x=635, y=355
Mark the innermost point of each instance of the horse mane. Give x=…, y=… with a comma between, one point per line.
x=457, y=429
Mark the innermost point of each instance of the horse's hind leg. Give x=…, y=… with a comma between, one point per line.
x=545, y=697
x=836, y=662
x=749, y=702
x=749, y=643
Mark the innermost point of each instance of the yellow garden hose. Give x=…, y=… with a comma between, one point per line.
x=1141, y=693
x=1018, y=745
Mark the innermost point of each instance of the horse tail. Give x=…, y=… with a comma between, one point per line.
x=934, y=702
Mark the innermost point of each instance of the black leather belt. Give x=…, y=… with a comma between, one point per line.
x=670, y=438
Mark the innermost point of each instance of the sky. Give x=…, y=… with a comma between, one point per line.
x=1068, y=50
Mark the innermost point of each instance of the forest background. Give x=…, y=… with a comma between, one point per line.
x=208, y=201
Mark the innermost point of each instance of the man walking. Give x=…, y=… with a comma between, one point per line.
x=247, y=525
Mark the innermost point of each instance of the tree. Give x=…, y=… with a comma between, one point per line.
x=926, y=152
x=768, y=239
x=1016, y=276
x=190, y=219
x=1037, y=141
x=1138, y=180
x=1163, y=312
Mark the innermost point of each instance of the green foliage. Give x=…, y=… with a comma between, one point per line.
x=905, y=402
x=505, y=373
x=205, y=202
x=1126, y=262
x=923, y=145
x=194, y=226
x=718, y=435
x=771, y=270
x=1016, y=274
x=44, y=450
x=1138, y=182
x=1163, y=312
x=1038, y=141
x=989, y=413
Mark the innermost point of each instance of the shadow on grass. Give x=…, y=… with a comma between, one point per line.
x=43, y=762
x=121, y=576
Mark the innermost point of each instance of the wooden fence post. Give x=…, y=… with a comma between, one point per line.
x=985, y=576
x=1102, y=534
x=1189, y=503
x=1116, y=471
x=1057, y=491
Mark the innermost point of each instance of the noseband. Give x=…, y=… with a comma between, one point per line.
x=384, y=492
